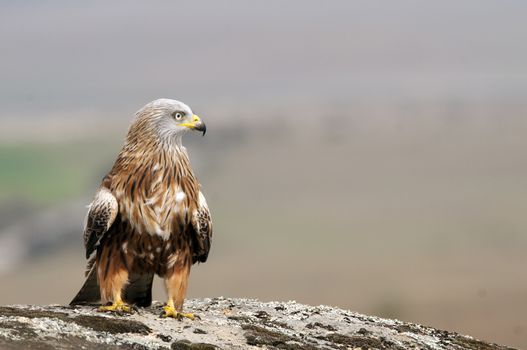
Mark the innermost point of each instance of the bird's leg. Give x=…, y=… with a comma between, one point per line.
x=176, y=283
x=112, y=281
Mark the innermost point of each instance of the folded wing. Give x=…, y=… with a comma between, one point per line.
x=100, y=218
x=202, y=225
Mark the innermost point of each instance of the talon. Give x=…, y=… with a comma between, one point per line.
x=169, y=311
x=118, y=307
x=189, y=316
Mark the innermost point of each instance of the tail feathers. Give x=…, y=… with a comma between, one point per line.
x=137, y=292
x=89, y=293
x=139, y=289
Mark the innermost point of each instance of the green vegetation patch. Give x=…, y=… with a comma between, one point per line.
x=50, y=172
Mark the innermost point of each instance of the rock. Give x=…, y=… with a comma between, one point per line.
x=224, y=324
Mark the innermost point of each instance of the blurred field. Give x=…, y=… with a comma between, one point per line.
x=361, y=154
x=48, y=173
x=412, y=218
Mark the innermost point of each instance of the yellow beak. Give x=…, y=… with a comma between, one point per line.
x=196, y=124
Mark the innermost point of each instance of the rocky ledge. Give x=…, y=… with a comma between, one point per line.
x=224, y=324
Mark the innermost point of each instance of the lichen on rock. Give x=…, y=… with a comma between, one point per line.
x=225, y=324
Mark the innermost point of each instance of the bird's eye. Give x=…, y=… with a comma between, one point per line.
x=177, y=115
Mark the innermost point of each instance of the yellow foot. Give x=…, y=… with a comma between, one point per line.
x=169, y=311
x=117, y=307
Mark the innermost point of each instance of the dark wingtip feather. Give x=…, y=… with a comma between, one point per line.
x=89, y=293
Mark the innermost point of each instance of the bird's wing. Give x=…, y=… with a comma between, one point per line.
x=202, y=225
x=100, y=218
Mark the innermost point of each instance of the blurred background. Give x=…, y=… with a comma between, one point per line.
x=369, y=155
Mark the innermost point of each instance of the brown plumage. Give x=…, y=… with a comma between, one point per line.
x=149, y=215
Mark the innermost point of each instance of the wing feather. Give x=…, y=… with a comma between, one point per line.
x=100, y=218
x=202, y=225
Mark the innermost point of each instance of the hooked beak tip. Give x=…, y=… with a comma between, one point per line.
x=201, y=127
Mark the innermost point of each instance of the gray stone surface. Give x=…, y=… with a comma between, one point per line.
x=224, y=324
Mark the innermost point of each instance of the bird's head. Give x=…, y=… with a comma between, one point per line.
x=167, y=119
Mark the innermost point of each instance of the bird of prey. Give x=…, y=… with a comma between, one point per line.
x=148, y=216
